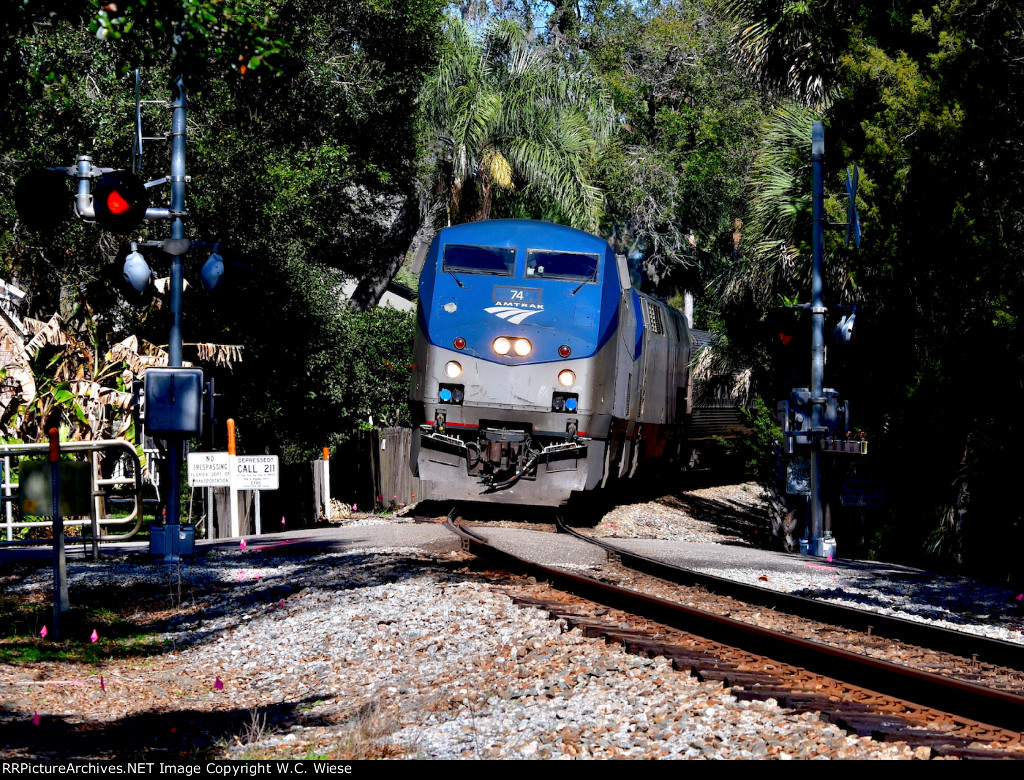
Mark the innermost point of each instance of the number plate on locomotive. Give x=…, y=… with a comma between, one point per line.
x=514, y=295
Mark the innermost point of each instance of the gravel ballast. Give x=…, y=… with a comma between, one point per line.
x=387, y=646
x=378, y=652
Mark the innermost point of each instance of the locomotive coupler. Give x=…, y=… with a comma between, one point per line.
x=502, y=448
x=572, y=428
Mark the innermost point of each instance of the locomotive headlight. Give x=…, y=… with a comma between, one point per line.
x=522, y=347
x=501, y=345
x=452, y=369
x=566, y=378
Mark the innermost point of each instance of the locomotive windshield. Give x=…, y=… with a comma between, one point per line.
x=567, y=266
x=496, y=260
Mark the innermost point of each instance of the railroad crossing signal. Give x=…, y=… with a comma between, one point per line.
x=119, y=202
x=212, y=271
x=137, y=274
x=119, y=199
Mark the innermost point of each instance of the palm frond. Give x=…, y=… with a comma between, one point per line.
x=504, y=100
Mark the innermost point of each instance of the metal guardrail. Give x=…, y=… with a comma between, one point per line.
x=98, y=520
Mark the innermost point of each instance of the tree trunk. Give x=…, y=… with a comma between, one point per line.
x=372, y=286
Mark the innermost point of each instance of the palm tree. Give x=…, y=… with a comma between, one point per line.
x=502, y=112
x=777, y=230
x=507, y=111
x=791, y=48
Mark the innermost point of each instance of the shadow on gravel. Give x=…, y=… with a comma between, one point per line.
x=730, y=518
x=961, y=602
x=138, y=619
x=202, y=731
x=180, y=735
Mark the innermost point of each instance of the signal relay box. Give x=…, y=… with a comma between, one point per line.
x=174, y=402
x=794, y=416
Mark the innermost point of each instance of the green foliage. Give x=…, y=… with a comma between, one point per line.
x=239, y=33
x=509, y=119
x=927, y=102
x=302, y=145
x=318, y=381
x=792, y=47
x=675, y=176
x=760, y=449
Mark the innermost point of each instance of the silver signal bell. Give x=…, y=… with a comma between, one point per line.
x=212, y=272
x=844, y=332
x=136, y=271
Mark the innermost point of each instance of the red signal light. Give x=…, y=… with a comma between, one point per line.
x=117, y=204
x=121, y=200
x=460, y=343
x=564, y=351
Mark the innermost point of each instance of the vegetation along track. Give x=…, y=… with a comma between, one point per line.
x=890, y=701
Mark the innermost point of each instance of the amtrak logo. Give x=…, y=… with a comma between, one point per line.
x=510, y=313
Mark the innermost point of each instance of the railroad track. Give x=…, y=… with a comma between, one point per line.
x=979, y=649
x=862, y=694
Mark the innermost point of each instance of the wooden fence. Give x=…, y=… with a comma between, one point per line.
x=372, y=471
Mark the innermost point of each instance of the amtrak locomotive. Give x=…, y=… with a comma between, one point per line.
x=539, y=370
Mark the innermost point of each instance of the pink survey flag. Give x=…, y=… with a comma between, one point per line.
x=94, y=636
x=218, y=685
x=43, y=632
x=103, y=685
x=35, y=718
x=243, y=545
x=830, y=559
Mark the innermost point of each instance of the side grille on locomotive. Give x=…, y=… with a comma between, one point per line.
x=654, y=321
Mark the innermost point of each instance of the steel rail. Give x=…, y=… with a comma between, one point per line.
x=971, y=646
x=963, y=699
